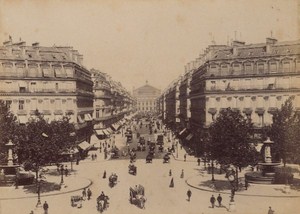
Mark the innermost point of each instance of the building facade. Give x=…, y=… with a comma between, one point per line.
x=51, y=80
x=255, y=79
x=112, y=102
x=146, y=97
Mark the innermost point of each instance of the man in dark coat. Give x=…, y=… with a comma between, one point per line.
x=219, y=199
x=45, y=207
x=212, y=201
x=189, y=194
x=89, y=193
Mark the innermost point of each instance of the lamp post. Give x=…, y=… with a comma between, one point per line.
x=177, y=148
x=39, y=204
x=71, y=158
x=62, y=175
x=231, y=176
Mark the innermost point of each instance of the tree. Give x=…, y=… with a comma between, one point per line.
x=40, y=143
x=232, y=140
x=284, y=131
x=8, y=126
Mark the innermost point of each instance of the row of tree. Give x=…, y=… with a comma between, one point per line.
x=38, y=142
x=231, y=138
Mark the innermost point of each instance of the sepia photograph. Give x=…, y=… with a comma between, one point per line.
x=149, y=106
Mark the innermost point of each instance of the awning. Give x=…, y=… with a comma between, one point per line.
x=110, y=130
x=69, y=151
x=182, y=131
x=105, y=132
x=22, y=119
x=87, y=117
x=80, y=120
x=84, y=145
x=114, y=126
x=99, y=132
x=189, y=137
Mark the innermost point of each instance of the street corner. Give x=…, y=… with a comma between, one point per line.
x=49, y=187
x=204, y=183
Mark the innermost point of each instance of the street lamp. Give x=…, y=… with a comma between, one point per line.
x=71, y=158
x=231, y=176
x=39, y=204
x=62, y=174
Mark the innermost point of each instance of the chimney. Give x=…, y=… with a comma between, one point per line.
x=36, y=46
x=269, y=43
x=235, y=44
x=80, y=59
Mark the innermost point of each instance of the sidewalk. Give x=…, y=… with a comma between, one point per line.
x=202, y=181
x=50, y=187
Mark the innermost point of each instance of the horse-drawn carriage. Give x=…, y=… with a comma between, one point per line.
x=102, y=202
x=112, y=180
x=132, y=156
x=76, y=201
x=114, y=153
x=137, y=196
x=132, y=169
x=166, y=158
x=160, y=148
x=149, y=158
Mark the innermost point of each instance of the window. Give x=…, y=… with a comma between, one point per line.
x=213, y=85
x=22, y=89
x=236, y=67
x=248, y=68
x=97, y=113
x=33, y=86
x=224, y=68
x=33, y=71
x=69, y=72
x=260, y=68
x=273, y=66
x=56, y=86
x=8, y=103
x=21, y=104
x=286, y=66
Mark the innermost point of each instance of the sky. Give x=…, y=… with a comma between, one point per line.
x=139, y=40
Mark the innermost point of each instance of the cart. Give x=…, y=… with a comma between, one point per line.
x=132, y=169
x=112, y=180
x=76, y=201
x=137, y=196
x=149, y=158
x=166, y=158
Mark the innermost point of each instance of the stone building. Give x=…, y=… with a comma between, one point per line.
x=112, y=103
x=51, y=80
x=255, y=79
x=146, y=98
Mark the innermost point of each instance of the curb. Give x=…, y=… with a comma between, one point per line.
x=237, y=193
x=177, y=159
x=52, y=194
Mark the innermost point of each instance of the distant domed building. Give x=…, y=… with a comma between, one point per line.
x=146, y=97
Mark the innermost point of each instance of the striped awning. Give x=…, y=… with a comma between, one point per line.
x=182, y=131
x=84, y=145
x=99, y=132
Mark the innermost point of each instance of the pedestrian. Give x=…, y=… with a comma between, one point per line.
x=104, y=174
x=171, y=183
x=31, y=212
x=246, y=184
x=45, y=207
x=95, y=156
x=84, y=194
x=270, y=211
x=219, y=199
x=212, y=201
x=170, y=172
x=189, y=194
x=198, y=160
x=89, y=193
x=92, y=156
x=182, y=174
x=66, y=171
x=184, y=157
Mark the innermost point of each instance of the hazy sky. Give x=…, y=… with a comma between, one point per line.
x=152, y=40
